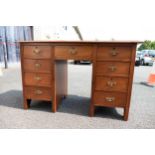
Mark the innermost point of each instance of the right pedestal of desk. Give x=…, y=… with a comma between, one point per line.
x=113, y=68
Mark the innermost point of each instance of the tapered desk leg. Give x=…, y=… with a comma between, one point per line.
x=27, y=103
x=126, y=113
x=54, y=104
x=54, y=108
x=91, y=111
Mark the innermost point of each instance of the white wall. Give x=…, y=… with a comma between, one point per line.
x=54, y=33
x=118, y=32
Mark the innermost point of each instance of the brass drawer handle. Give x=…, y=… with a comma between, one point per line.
x=114, y=52
x=73, y=51
x=111, y=83
x=112, y=68
x=37, y=65
x=37, y=78
x=36, y=50
x=38, y=92
x=110, y=99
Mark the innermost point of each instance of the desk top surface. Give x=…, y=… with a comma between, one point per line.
x=93, y=42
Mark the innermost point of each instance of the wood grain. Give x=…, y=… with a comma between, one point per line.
x=44, y=71
x=38, y=93
x=109, y=99
x=111, y=84
x=37, y=52
x=37, y=79
x=39, y=66
x=73, y=52
x=114, y=53
x=113, y=69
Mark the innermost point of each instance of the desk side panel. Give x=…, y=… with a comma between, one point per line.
x=61, y=71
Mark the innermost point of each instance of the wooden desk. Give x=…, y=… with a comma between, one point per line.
x=44, y=71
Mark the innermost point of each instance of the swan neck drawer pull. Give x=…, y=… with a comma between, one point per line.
x=73, y=51
x=38, y=92
x=37, y=65
x=114, y=52
x=36, y=50
x=111, y=83
x=37, y=78
x=112, y=68
x=110, y=99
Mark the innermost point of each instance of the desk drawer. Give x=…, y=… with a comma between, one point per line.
x=38, y=93
x=73, y=52
x=113, y=68
x=110, y=99
x=37, y=52
x=37, y=79
x=111, y=84
x=114, y=53
x=42, y=66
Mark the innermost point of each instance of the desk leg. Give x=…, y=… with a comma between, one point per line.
x=54, y=105
x=126, y=113
x=27, y=103
x=91, y=111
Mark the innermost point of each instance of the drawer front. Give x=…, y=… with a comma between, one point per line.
x=73, y=52
x=111, y=84
x=37, y=79
x=114, y=53
x=42, y=66
x=112, y=68
x=37, y=52
x=110, y=99
x=38, y=93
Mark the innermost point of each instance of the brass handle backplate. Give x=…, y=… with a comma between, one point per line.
x=111, y=83
x=73, y=51
x=114, y=52
x=38, y=92
x=112, y=68
x=37, y=65
x=110, y=99
x=36, y=50
x=37, y=78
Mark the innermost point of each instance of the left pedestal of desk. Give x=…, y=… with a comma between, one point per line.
x=38, y=73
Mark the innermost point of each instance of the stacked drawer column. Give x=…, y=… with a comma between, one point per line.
x=112, y=77
x=37, y=73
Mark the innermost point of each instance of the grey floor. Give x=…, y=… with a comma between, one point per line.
x=73, y=112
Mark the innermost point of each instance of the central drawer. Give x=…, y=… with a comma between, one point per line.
x=37, y=79
x=73, y=52
x=42, y=66
x=111, y=84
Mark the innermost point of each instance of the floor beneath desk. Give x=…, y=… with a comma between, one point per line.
x=73, y=112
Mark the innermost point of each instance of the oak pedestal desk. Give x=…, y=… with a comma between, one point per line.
x=44, y=71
